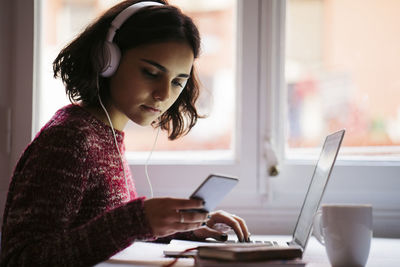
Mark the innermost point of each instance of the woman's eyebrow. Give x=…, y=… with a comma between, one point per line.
x=162, y=68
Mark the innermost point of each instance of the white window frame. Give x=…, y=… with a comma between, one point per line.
x=269, y=205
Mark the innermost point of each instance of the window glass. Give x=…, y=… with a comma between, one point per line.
x=343, y=71
x=61, y=20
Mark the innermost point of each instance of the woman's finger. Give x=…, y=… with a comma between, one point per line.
x=243, y=226
x=226, y=218
x=235, y=222
x=191, y=217
x=238, y=230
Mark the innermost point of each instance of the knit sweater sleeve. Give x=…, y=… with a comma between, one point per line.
x=44, y=197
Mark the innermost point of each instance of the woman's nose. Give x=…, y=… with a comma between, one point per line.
x=162, y=92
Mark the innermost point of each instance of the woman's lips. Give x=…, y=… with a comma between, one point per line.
x=150, y=109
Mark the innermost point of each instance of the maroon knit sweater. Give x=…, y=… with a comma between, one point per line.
x=68, y=204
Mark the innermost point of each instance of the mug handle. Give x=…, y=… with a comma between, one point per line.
x=318, y=227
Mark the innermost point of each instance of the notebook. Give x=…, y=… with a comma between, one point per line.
x=316, y=189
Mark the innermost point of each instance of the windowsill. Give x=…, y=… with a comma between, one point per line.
x=348, y=156
x=351, y=161
x=216, y=157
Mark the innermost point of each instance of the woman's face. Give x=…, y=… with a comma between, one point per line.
x=149, y=79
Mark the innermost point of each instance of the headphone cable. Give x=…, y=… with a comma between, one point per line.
x=113, y=132
x=147, y=162
x=119, y=152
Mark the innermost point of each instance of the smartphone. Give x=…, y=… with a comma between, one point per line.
x=213, y=189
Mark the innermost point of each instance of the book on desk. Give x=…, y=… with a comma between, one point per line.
x=201, y=262
x=242, y=255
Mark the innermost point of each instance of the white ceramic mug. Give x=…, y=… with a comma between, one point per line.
x=346, y=231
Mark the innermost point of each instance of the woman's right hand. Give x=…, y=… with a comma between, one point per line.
x=168, y=216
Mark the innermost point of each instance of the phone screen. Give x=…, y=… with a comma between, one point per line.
x=214, y=188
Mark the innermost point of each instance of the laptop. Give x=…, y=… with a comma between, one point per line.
x=302, y=231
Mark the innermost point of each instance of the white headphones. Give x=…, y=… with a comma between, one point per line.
x=111, y=51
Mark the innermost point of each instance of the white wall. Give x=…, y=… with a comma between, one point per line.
x=5, y=85
x=16, y=61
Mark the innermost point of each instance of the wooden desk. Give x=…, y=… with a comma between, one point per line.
x=385, y=252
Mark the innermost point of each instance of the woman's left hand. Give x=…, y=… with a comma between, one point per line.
x=218, y=218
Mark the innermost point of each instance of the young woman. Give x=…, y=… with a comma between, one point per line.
x=72, y=200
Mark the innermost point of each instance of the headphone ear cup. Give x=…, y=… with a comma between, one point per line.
x=112, y=56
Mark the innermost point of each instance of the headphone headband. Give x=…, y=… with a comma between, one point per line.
x=111, y=51
x=124, y=15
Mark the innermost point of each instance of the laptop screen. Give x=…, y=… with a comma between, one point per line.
x=317, y=187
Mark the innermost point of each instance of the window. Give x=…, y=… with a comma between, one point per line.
x=342, y=71
x=339, y=69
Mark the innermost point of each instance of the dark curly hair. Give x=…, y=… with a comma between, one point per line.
x=81, y=61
